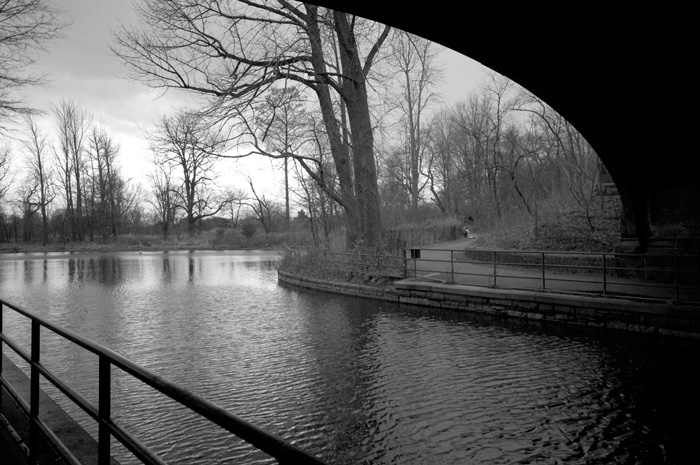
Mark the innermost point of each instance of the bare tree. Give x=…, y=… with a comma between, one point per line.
x=39, y=175
x=5, y=174
x=163, y=198
x=319, y=206
x=27, y=207
x=73, y=126
x=25, y=27
x=190, y=148
x=414, y=59
x=480, y=147
x=577, y=163
x=442, y=182
x=234, y=200
x=107, y=185
x=233, y=51
x=464, y=158
x=497, y=109
x=265, y=211
x=284, y=128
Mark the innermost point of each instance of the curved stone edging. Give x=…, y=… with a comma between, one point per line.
x=387, y=293
x=665, y=319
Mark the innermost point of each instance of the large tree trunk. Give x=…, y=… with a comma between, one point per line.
x=362, y=138
x=339, y=150
x=365, y=171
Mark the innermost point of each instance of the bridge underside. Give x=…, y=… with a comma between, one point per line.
x=622, y=73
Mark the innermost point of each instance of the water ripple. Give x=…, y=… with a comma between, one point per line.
x=354, y=381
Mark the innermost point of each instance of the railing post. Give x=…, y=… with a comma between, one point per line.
x=544, y=279
x=605, y=276
x=452, y=265
x=1, y=316
x=104, y=410
x=675, y=276
x=494, y=268
x=405, y=265
x=34, y=392
x=415, y=266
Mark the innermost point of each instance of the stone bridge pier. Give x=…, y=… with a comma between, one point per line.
x=661, y=205
x=623, y=73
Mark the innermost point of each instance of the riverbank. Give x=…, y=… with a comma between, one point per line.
x=122, y=247
x=638, y=316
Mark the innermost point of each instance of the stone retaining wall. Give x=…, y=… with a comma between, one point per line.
x=351, y=289
x=664, y=319
x=81, y=444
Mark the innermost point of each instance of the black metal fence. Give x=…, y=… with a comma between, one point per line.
x=273, y=445
x=667, y=277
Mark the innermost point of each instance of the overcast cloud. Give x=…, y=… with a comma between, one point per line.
x=81, y=67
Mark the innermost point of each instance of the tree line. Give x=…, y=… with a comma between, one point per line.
x=350, y=108
x=70, y=188
x=500, y=149
x=349, y=102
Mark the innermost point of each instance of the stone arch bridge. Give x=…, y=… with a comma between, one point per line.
x=622, y=72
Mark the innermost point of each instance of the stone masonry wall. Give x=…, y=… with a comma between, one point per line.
x=664, y=319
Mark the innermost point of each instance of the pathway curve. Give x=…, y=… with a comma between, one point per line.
x=441, y=263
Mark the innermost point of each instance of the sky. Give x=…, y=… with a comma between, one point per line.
x=82, y=68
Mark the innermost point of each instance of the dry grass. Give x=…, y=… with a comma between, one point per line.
x=559, y=227
x=208, y=240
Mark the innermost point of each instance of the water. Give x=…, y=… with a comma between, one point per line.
x=350, y=380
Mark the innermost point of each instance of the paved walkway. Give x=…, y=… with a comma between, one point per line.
x=435, y=264
x=81, y=444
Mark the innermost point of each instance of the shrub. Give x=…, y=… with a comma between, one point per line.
x=562, y=227
x=248, y=229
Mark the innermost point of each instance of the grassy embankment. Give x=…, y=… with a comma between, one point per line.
x=217, y=239
x=558, y=228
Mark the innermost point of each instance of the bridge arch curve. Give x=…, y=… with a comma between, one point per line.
x=623, y=74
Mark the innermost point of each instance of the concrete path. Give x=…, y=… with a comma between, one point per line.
x=441, y=263
x=81, y=444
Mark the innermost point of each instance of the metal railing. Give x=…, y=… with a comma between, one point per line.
x=667, y=277
x=655, y=276
x=269, y=443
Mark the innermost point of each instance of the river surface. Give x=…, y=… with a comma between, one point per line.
x=350, y=380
